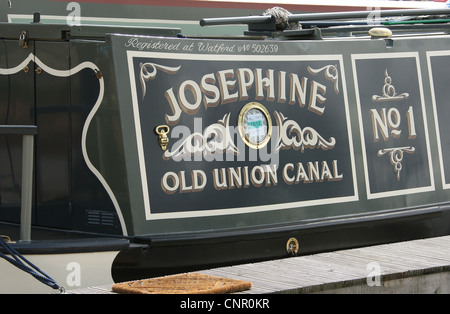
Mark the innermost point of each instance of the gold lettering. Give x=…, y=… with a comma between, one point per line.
x=227, y=86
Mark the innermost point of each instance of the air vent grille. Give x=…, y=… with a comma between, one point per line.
x=101, y=218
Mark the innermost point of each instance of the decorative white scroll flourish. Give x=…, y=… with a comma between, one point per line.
x=145, y=75
x=389, y=92
x=216, y=139
x=291, y=135
x=331, y=74
x=396, y=156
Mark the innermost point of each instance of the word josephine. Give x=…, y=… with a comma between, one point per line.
x=231, y=85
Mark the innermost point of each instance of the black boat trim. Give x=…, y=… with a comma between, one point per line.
x=71, y=246
x=339, y=222
x=170, y=254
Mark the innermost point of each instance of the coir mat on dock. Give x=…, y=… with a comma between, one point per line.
x=189, y=283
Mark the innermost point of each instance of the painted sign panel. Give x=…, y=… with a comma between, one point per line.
x=393, y=124
x=438, y=65
x=245, y=133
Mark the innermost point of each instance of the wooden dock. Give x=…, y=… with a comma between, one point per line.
x=419, y=266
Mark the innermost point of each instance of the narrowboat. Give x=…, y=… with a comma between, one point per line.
x=129, y=152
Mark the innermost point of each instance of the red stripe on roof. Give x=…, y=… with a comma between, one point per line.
x=226, y=5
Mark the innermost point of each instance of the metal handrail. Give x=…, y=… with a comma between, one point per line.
x=28, y=132
x=261, y=19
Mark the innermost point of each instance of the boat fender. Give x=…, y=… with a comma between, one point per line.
x=380, y=32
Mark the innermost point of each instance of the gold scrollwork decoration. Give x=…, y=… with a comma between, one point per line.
x=396, y=157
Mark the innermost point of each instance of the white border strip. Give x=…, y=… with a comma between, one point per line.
x=240, y=210
x=436, y=119
x=372, y=56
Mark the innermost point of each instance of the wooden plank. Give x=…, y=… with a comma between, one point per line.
x=301, y=272
x=319, y=268
x=402, y=258
x=424, y=252
x=390, y=263
x=396, y=256
x=257, y=286
x=278, y=276
x=255, y=278
x=107, y=289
